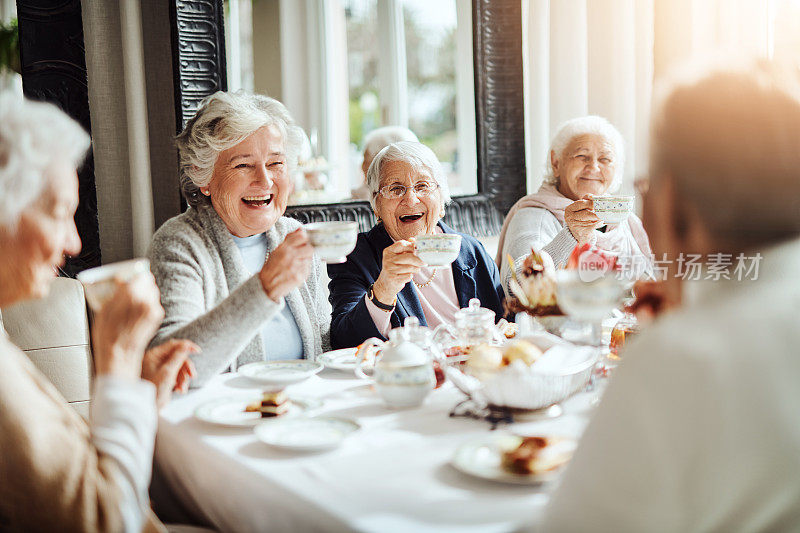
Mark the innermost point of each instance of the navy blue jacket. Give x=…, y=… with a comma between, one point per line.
x=475, y=275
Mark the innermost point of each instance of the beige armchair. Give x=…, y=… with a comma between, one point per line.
x=54, y=333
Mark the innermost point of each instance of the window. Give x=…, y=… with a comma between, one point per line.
x=346, y=67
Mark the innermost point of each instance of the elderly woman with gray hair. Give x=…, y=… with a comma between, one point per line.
x=59, y=472
x=383, y=280
x=236, y=276
x=587, y=158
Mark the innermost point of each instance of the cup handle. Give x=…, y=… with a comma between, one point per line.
x=362, y=353
x=441, y=333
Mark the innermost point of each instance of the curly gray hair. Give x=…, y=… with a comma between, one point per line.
x=33, y=137
x=222, y=121
x=418, y=156
x=588, y=125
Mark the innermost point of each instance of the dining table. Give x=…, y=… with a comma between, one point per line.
x=395, y=473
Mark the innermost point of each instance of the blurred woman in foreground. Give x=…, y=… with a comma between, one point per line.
x=58, y=472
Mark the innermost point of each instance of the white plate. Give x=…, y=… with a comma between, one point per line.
x=305, y=434
x=344, y=359
x=482, y=459
x=229, y=412
x=280, y=372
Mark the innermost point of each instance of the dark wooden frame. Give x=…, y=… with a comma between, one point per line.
x=199, y=59
x=53, y=59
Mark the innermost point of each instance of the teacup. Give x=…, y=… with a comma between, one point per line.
x=438, y=250
x=332, y=241
x=613, y=209
x=99, y=284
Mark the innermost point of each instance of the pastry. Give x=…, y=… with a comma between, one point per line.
x=536, y=455
x=485, y=357
x=521, y=351
x=272, y=404
x=535, y=285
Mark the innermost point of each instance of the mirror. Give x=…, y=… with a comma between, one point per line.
x=346, y=67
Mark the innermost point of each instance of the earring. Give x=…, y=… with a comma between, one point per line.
x=206, y=192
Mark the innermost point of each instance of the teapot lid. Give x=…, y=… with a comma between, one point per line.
x=474, y=311
x=403, y=349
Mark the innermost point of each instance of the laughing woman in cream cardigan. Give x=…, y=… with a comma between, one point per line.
x=236, y=276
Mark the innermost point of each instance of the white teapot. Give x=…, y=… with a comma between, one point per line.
x=403, y=370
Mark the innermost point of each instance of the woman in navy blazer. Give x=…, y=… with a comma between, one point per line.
x=383, y=281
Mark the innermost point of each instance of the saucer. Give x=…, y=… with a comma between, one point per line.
x=305, y=434
x=482, y=458
x=230, y=411
x=280, y=373
x=344, y=359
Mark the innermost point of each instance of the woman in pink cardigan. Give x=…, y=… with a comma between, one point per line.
x=58, y=472
x=587, y=158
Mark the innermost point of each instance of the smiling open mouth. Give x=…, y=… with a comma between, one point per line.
x=257, y=201
x=411, y=218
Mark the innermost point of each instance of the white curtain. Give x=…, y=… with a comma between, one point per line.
x=587, y=57
x=602, y=57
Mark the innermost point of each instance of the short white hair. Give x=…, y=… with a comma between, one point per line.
x=588, y=125
x=418, y=156
x=34, y=136
x=380, y=138
x=222, y=121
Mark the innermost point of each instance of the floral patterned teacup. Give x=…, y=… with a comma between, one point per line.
x=613, y=209
x=332, y=241
x=438, y=250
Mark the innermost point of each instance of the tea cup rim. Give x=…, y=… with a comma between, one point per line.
x=108, y=271
x=331, y=226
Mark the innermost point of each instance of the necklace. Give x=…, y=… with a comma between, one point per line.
x=423, y=285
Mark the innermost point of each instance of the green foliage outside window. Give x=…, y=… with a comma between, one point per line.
x=9, y=46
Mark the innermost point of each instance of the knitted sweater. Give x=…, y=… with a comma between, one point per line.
x=209, y=297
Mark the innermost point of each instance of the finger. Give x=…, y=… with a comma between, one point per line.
x=581, y=205
x=190, y=369
x=403, y=245
x=173, y=363
x=295, y=238
x=408, y=258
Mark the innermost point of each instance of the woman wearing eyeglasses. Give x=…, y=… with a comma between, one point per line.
x=383, y=280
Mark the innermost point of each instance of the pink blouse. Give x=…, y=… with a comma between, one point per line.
x=438, y=299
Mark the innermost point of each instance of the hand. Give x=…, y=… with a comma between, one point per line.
x=581, y=220
x=288, y=265
x=400, y=263
x=169, y=368
x=123, y=327
x=653, y=298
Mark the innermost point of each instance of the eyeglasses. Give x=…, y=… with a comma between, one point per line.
x=421, y=189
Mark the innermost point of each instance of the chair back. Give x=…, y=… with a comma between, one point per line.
x=54, y=333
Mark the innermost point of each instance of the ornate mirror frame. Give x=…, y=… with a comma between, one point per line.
x=199, y=70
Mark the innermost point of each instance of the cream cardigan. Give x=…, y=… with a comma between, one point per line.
x=59, y=474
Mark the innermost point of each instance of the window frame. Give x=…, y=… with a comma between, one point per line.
x=199, y=70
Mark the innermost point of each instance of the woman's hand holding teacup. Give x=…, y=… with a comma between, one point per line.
x=124, y=326
x=581, y=219
x=400, y=263
x=288, y=266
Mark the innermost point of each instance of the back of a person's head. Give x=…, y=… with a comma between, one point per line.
x=380, y=138
x=730, y=139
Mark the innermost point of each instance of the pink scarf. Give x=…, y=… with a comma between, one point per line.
x=627, y=237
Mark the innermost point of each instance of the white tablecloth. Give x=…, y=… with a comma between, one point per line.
x=393, y=475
